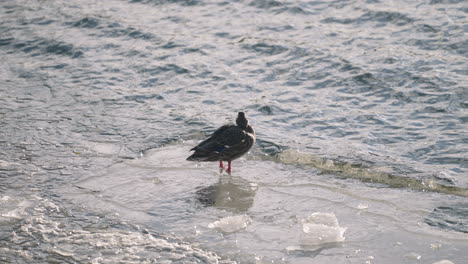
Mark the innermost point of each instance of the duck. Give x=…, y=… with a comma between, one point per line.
x=227, y=143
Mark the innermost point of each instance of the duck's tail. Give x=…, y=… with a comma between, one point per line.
x=203, y=156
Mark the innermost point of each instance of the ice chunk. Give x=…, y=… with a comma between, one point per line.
x=443, y=262
x=321, y=228
x=413, y=256
x=362, y=206
x=231, y=223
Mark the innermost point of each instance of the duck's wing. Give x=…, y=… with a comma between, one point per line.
x=213, y=137
x=222, y=144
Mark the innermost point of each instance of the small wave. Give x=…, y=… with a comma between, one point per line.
x=384, y=17
x=171, y=45
x=153, y=71
x=451, y=217
x=330, y=20
x=6, y=41
x=269, y=148
x=141, y=98
x=266, y=110
x=42, y=21
x=274, y=108
x=460, y=47
x=428, y=28
x=265, y=49
x=364, y=83
x=87, y=22
x=127, y=32
x=266, y=4
x=62, y=48
x=43, y=46
x=280, y=28
x=445, y=2
x=396, y=18
x=438, y=43
x=110, y=29
x=278, y=6
x=366, y=174
x=162, y=2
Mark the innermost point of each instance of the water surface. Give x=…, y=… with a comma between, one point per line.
x=360, y=109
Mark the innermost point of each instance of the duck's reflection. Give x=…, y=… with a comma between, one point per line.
x=230, y=193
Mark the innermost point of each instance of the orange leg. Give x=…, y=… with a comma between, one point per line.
x=221, y=165
x=229, y=166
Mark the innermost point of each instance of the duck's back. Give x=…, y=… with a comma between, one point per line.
x=229, y=142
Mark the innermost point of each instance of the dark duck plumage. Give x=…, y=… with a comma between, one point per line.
x=227, y=143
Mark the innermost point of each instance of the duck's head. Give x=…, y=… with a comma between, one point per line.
x=242, y=121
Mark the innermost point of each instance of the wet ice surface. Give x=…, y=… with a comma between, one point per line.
x=267, y=211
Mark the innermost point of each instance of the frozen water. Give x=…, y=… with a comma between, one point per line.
x=265, y=212
x=362, y=206
x=231, y=224
x=443, y=262
x=321, y=228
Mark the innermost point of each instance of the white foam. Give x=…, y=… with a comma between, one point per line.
x=231, y=223
x=321, y=228
x=12, y=208
x=46, y=224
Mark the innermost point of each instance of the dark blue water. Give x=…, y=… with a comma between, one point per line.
x=360, y=109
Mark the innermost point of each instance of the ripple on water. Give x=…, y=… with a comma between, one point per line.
x=380, y=17
x=110, y=29
x=86, y=22
x=41, y=46
x=450, y=217
x=164, y=2
x=375, y=92
x=385, y=17
x=265, y=49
